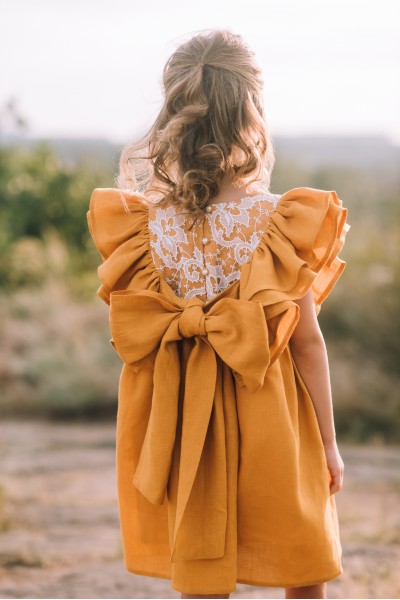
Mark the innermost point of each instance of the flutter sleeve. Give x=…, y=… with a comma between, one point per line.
x=299, y=249
x=120, y=233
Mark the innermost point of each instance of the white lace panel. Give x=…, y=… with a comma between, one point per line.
x=204, y=260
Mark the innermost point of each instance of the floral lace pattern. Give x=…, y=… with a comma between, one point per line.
x=203, y=260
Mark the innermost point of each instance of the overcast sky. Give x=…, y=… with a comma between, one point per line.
x=93, y=67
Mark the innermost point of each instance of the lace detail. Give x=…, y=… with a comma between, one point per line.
x=204, y=260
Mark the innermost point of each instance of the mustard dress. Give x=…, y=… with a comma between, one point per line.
x=221, y=471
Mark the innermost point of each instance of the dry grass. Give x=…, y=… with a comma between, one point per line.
x=55, y=357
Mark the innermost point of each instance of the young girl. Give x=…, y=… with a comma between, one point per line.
x=227, y=462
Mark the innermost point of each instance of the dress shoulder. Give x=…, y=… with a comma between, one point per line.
x=118, y=224
x=299, y=249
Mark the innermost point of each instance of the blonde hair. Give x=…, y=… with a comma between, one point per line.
x=211, y=125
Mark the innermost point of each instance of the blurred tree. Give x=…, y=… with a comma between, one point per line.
x=44, y=241
x=41, y=195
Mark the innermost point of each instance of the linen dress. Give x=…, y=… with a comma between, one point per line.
x=221, y=471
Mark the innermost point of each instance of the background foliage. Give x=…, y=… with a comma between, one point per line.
x=55, y=357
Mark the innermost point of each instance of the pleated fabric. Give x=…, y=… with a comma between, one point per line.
x=221, y=470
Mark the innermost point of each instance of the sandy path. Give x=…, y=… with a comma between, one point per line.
x=59, y=530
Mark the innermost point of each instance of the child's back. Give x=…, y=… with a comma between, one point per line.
x=201, y=258
x=215, y=425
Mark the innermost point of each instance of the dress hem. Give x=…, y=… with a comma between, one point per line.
x=296, y=584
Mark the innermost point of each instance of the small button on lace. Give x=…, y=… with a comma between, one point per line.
x=204, y=271
x=205, y=240
x=208, y=209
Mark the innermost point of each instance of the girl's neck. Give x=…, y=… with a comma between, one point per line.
x=231, y=192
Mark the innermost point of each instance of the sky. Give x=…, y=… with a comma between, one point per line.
x=92, y=68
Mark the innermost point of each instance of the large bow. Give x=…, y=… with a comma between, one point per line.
x=145, y=328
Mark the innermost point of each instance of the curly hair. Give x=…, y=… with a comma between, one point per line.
x=211, y=125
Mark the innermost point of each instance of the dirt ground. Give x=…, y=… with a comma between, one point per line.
x=59, y=528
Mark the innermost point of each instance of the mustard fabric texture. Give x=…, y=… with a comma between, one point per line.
x=221, y=471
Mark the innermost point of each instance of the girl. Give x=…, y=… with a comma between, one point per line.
x=227, y=461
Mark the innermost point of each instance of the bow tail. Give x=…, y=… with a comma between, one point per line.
x=153, y=469
x=201, y=503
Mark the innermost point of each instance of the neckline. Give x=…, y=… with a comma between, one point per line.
x=229, y=203
x=264, y=196
x=234, y=202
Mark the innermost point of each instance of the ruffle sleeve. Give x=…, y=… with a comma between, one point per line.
x=299, y=249
x=121, y=236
